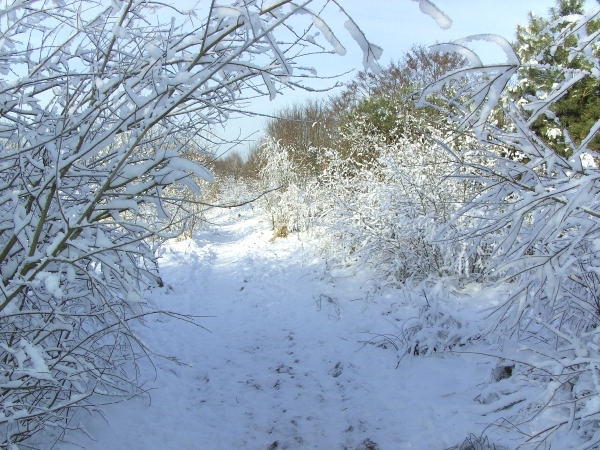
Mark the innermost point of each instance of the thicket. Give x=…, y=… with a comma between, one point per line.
x=537, y=209
x=377, y=185
x=106, y=111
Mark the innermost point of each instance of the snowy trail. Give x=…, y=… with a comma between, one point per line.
x=281, y=369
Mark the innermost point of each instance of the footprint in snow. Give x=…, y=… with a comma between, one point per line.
x=337, y=370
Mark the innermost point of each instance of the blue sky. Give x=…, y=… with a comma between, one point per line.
x=396, y=25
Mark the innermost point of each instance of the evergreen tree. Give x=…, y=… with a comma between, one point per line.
x=544, y=64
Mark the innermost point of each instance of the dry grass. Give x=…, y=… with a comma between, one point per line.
x=281, y=232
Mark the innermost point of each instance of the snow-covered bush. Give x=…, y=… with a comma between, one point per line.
x=380, y=196
x=388, y=198
x=295, y=198
x=98, y=103
x=228, y=192
x=539, y=211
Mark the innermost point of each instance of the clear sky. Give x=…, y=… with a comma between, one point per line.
x=396, y=25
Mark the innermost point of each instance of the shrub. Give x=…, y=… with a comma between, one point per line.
x=538, y=211
x=99, y=105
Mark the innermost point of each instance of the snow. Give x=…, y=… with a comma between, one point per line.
x=511, y=57
x=223, y=12
x=371, y=52
x=51, y=283
x=284, y=357
x=121, y=32
x=442, y=20
x=328, y=34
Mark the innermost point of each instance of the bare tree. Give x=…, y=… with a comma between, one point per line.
x=417, y=68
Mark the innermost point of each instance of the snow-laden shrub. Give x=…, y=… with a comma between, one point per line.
x=228, y=192
x=386, y=202
x=381, y=201
x=100, y=102
x=437, y=329
x=295, y=198
x=539, y=212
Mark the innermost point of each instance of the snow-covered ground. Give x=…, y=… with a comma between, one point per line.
x=284, y=363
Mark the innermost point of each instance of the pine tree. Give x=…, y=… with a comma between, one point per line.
x=543, y=68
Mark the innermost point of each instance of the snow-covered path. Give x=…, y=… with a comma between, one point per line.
x=282, y=365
